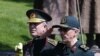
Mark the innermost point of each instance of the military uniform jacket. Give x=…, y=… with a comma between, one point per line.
x=40, y=47
x=62, y=50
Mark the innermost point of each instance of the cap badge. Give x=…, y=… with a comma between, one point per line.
x=33, y=15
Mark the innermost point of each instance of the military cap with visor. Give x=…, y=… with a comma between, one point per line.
x=69, y=22
x=36, y=16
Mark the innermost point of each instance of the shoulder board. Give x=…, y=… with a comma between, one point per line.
x=84, y=47
x=51, y=41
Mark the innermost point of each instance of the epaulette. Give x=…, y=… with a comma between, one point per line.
x=84, y=47
x=51, y=41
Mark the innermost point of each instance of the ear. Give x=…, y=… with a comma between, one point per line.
x=77, y=31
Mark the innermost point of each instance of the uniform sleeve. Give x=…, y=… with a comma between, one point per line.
x=89, y=53
x=26, y=50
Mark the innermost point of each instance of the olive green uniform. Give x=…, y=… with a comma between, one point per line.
x=40, y=47
x=63, y=50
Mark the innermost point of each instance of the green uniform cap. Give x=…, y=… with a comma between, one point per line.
x=36, y=16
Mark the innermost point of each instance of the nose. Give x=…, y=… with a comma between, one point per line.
x=32, y=28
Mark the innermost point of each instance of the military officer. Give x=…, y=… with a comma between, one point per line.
x=41, y=45
x=71, y=46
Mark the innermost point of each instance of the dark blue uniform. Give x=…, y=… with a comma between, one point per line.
x=63, y=50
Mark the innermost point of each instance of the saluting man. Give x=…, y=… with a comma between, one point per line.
x=71, y=46
x=41, y=45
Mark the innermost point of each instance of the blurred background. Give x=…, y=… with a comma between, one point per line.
x=13, y=23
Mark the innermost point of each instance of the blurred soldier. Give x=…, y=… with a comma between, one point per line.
x=69, y=30
x=41, y=45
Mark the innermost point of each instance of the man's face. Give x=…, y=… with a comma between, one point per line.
x=67, y=34
x=37, y=29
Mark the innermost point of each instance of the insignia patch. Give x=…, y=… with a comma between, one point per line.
x=84, y=47
x=51, y=41
x=63, y=21
x=33, y=15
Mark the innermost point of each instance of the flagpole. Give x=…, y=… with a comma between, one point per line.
x=79, y=18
